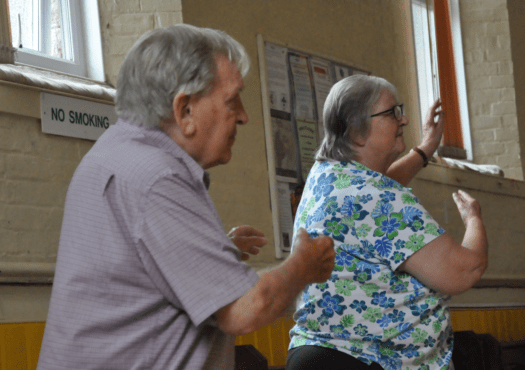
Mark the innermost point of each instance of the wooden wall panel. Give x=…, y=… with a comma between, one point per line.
x=20, y=343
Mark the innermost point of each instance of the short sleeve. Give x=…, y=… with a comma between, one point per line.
x=398, y=224
x=182, y=235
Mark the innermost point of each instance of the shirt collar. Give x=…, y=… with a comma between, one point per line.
x=162, y=140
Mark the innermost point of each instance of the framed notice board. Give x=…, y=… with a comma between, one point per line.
x=294, y=85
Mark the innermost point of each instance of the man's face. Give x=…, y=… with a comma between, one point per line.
x=216, y=115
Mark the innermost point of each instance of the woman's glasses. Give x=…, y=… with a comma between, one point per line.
x=396, y=110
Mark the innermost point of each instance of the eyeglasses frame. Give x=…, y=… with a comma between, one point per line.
x=391, y=110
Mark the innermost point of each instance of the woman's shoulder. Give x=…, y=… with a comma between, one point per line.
x=345, y=169
x=331, y=178
x=344, y=175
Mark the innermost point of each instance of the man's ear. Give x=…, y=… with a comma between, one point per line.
x=182, y=114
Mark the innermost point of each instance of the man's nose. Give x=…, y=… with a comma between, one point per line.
x=403, y=121
x=242, y=116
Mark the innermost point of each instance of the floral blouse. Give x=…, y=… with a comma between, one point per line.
x=367, y=309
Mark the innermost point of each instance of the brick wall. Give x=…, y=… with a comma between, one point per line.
x=35, y=171
x=123, y=22
x=36, y=168
x=490, y=84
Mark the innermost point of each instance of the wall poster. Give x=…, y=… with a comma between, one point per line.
x=294, y=85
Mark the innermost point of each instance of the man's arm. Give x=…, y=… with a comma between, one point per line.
x=312, y=261
x=405, y=168
x=447, y=266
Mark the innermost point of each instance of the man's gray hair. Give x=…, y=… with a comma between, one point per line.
x=346, y=115
x=167, y=61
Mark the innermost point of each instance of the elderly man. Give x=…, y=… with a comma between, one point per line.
x=146, y=277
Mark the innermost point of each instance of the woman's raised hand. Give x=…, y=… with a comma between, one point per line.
x=432, y=129
x=468, y=207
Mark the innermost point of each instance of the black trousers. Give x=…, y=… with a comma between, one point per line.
x=315, y=357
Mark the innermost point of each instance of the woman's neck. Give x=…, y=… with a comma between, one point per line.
x=374, y=162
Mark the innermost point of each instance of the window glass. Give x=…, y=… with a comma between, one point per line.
x=52, y=34
x=428, y=78
x=426, y=56
x=39, y=26
x=21, y=18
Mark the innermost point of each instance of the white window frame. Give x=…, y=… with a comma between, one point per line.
x=427, y=68
x=85, y=44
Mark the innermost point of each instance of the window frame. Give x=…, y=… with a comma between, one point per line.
x=455, y=103
x=457, y=45
x=85, y=35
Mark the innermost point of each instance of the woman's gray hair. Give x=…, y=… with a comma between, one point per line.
x=167, y=61
x=346, y=115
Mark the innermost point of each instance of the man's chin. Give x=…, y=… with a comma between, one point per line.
x=226, y=159
x=221, y=160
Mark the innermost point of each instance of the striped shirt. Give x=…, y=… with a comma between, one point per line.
x=143, y=262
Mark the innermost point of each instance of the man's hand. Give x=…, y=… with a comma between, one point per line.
x=312, y=261
x=248, y=239
x=432, y=129
x=317, y=256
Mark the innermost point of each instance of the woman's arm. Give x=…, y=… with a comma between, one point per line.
x=405, y=168
x=447, y=266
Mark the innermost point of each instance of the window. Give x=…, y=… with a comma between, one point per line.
x=55, y=35
x=440, y=70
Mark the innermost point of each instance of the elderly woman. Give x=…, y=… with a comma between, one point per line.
x=384, y=304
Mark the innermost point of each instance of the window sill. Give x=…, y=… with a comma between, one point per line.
x=20, y=88
x=487, y=169
x=467, y=179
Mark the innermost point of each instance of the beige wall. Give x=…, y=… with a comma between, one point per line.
x=374, y=35
x=353, y=31
x=366, y=35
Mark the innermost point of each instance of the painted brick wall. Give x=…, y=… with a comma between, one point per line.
x=35, y=171
x=123, y=22
x=36, y=168
x=490, y=84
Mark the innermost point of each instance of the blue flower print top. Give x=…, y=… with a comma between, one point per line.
x=367, y=308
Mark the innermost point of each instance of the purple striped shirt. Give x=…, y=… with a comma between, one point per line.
x=143, y=262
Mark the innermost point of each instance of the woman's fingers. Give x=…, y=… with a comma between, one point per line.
x=468, y=207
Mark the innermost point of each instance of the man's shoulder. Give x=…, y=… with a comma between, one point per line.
x=136, y=156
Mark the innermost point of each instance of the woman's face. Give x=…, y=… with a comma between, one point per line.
x=385, y=138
